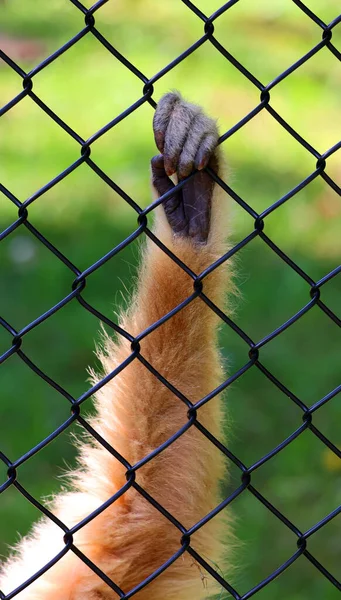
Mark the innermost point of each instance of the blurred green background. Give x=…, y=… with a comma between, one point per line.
x=87, y=87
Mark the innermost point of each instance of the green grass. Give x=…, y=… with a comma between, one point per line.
x=87, y=88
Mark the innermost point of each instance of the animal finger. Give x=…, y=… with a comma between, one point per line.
x=179, y=125
x=201, y=128
x=161, y=118
x=206, y=150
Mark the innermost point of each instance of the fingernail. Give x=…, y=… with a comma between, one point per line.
x=203, y=162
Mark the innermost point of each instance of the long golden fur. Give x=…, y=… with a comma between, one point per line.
x=135, y=413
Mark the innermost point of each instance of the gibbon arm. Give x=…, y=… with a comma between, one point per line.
x=135, y=412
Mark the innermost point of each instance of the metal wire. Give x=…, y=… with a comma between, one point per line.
x=252, y=347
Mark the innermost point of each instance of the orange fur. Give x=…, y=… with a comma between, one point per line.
x=135, y=414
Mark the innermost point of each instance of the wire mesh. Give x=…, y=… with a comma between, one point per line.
x=324, y=33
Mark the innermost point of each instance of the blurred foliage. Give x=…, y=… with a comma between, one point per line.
x=87, y=87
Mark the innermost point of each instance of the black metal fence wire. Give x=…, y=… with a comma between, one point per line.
x=324, y=32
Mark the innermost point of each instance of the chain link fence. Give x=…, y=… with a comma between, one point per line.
x=324, y=37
